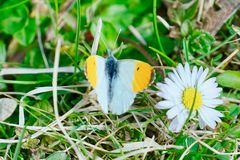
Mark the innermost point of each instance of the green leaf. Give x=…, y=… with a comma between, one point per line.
x=191, y=11
x=234, y=110
x=200, y=42
x=182, y=12
x=3, y=55
x=186, y=28
x=26, y=35
x=42, y=106
x=186, y=141
x=234, y=132
x=13, y=20
x=229, y=79
x=31, y=143
x=58, y=156
x=13, y=5
x=113, y=14
x=34, y=58
x=2, y=52
x=223, y=157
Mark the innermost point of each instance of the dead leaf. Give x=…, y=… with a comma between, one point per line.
x=214, y=19
x=7, y=107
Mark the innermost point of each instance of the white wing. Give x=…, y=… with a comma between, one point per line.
x=102, y=84
x=123, y=96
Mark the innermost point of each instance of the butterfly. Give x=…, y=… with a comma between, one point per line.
x=117, y=82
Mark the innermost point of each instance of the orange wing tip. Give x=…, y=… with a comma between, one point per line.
x=143, y=76
x=91, y=70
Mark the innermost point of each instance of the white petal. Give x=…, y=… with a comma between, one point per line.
x=202, y=124
x=194, y=76
x=200, y=71
x=188, y=74
x=182, y=74
x=164, y=95
x=170, y=93
x=212, y=103
x=178, y=121
x=165, y=104
x=213, y=112
x=209, y=88
x=211, y=94
x=174, y=111
x=206, y=117
x=159, y=85
x=218, y=120
x=211, y=116
x=174, y=124
x=202, y=77
x=208, y=84
x=175, y=72
x=182, y=119
x=169, y=82
x=174, y=89
x=176, y=80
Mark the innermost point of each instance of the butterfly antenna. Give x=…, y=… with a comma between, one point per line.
x=115, y=43
x=104, y=42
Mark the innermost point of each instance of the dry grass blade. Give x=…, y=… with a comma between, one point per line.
x=136, y=33
x=187, y=150
x=224, y=61
x=66, y=116
x=135, y=148
x=97, y=37
x=164, y=22
x=39, y=36
x=147, y=143
x=14, y=71
x=55, y=99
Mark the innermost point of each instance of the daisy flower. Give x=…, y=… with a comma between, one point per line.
x=184, y=90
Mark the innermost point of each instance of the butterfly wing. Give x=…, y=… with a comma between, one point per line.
x=95, y=73
x=133, y=76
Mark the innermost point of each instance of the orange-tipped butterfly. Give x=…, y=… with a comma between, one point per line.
x=117, y=81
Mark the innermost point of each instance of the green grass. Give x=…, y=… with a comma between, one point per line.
x=140, y=133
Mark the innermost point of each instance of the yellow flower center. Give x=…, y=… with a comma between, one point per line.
x=192, y=98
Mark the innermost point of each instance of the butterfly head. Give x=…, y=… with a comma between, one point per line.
x=110, y=53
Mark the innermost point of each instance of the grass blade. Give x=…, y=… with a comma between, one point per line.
x=164, y=56
x=155, y=26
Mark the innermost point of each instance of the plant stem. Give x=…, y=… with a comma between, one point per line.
x=164, y=56
x=155, y=26
x=185, y=49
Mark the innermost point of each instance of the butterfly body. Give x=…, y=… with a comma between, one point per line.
x=111, y=70
x=117, y=82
